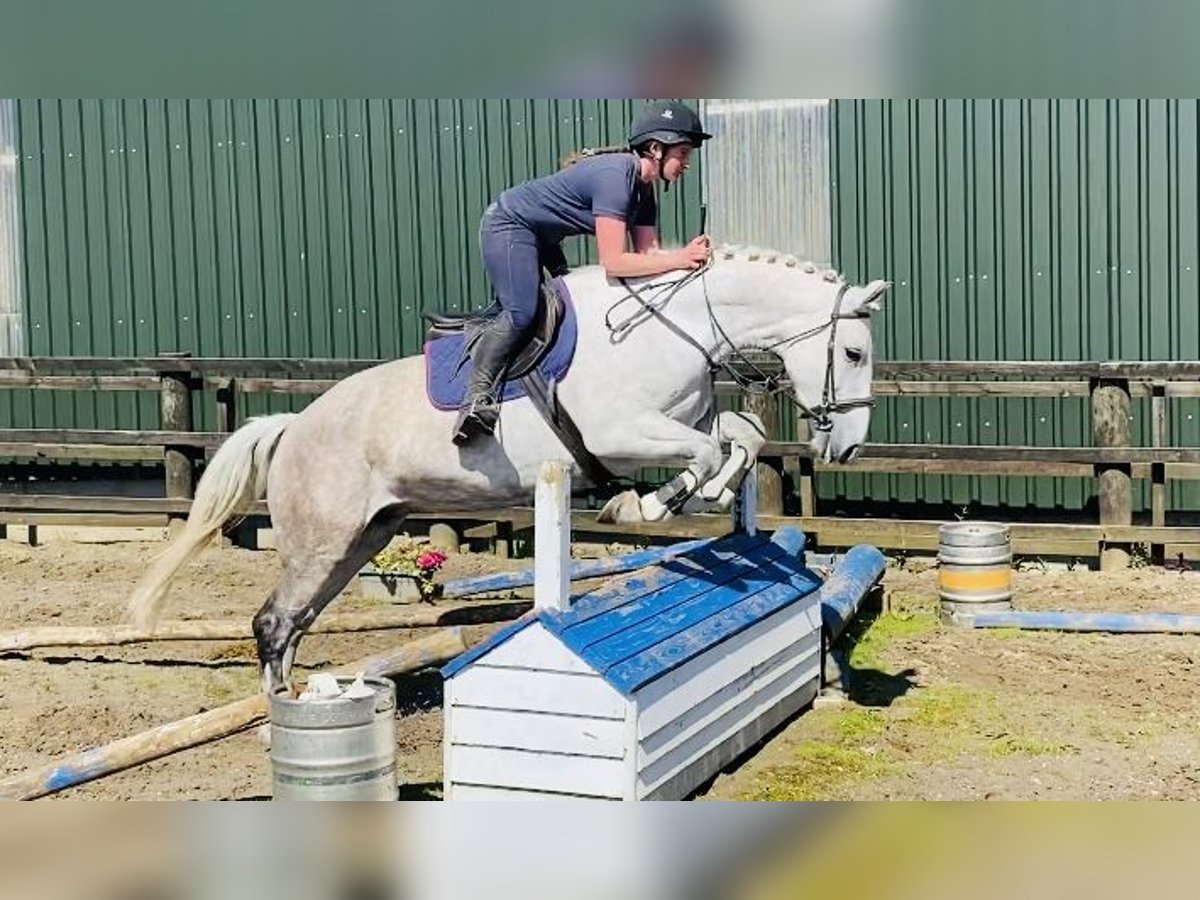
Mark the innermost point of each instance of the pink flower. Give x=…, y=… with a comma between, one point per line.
x=431, y=559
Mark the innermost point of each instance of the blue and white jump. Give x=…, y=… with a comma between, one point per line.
x=645, y=687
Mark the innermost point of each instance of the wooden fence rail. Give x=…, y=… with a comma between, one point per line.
x=182, y=381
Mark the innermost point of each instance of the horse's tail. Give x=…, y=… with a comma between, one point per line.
x=236, y=475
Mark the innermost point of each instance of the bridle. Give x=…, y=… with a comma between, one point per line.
x=759, y=382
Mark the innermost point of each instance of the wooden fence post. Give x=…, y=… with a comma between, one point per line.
x=770, y=472
x=1159, y=437
x=806, y=473
x=176, y=409
x=1114, y=481
x=227, y=405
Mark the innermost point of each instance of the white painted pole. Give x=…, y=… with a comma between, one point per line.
x=552, y=537
x=745, y=505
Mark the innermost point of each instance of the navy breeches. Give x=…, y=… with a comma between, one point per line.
x=514, y=258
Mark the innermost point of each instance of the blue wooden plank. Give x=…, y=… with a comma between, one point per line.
x=594, y=603
x=665, y=624
x=636, y=610
x=1114, y=622
x=637, y=671
x=580, y=569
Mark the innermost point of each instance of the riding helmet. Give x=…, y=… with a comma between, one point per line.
x=669, y=122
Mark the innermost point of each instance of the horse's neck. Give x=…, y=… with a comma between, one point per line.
x=653, y=308
x=726, y=310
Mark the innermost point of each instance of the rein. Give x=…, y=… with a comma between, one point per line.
x=759, y=382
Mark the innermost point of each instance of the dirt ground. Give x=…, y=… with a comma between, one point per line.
x=934, y=712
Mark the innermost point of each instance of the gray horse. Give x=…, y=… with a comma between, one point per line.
x=341, y=476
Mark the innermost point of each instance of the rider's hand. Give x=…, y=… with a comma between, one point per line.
x=697, y=252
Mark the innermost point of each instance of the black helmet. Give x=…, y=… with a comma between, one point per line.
x=668, y=121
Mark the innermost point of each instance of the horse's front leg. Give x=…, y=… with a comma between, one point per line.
x=745, y=432
x=653, y=438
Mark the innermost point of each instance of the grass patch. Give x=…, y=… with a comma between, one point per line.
x=817, y=770
x=1016, y=745
x=956, y=721
x=846, y=749
x=859, y=724
x=871, y=637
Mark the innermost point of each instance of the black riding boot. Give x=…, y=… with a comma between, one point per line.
x=491, y=353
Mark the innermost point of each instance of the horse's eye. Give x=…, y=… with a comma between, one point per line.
x=855, y=356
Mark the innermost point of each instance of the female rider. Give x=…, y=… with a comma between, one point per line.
x=608, y=193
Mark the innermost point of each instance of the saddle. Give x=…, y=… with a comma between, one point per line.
x=470, y=324
x=533, y=373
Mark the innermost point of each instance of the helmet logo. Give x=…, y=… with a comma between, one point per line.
x=668, y=114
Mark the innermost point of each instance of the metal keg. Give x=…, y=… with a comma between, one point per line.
x=974, y=568
x=335, y=748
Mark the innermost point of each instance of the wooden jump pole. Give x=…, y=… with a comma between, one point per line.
x=79, y=768
x=237, y=630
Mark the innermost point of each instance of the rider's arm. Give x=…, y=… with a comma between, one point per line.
x=619, y=262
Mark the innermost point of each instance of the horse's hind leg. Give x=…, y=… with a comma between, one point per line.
x=312, y=577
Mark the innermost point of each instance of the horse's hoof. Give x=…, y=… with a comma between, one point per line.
x=623, y=509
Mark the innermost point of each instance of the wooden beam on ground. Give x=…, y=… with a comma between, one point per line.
x=236, y=630
x=79, y=768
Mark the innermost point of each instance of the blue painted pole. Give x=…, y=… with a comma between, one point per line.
x=586, y=568
x=1118, y=623
x=844, y=589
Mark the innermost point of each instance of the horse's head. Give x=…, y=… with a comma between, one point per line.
x=819, y=325
x=831, y=370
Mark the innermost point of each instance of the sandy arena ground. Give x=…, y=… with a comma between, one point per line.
x=934, y=713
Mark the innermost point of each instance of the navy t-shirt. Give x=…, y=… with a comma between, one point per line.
x=567, y=202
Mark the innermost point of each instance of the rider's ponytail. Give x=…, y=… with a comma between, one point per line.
x=592, y=151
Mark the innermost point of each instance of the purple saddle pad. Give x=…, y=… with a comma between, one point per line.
x=448, y=369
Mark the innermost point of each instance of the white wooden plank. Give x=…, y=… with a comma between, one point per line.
x=583, y=695
x=552, y=536
x=544, y=732
x=799, y=661
x=536, y=648
x=522, y=769
x=447, y=723
x=630, y=776
x=667, y=698
x=697, y=772
x=753, y=703
x=479, y=792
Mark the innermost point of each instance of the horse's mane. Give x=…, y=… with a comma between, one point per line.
x=749, y=253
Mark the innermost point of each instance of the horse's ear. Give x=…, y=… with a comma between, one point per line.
x=869, y=299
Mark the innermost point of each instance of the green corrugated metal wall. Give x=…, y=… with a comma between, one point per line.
x=1019, y=229
x=1012, y=229
x=270, y=227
